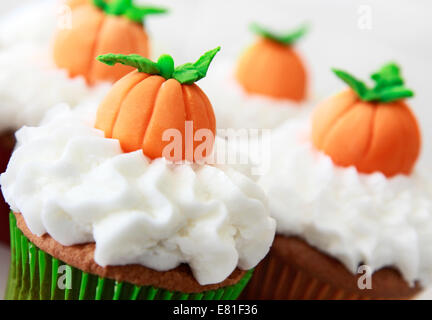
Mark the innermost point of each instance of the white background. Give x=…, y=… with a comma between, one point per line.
x=400, y=31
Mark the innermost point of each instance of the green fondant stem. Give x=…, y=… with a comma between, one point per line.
x=166, y=66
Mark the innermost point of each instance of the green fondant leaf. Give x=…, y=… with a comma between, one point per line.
x=137, y=14
x=203, y=63
x=118, y=7
x=188, y=73
x=388, y=75
x=358, y=86
x=101, y=4
x=395, y=93
x=134, y=60
x=288, y=38
x=389, y=84
x=127, y=9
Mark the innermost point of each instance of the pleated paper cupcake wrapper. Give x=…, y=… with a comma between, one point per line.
x=275, y=279
x=36, y=275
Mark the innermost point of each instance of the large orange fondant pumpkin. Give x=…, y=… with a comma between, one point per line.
x=272, y=67
x=97, y=28
x=158, y=97
x=371, y=129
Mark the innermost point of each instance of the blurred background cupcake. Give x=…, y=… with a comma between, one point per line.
x=353, y=209
x=267, y=85
x=47, y=56
x=58, y=63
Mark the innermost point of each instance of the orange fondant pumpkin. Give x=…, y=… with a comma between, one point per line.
x=99, y=28
x=371, y=129
x=145, y=103
x=272, y=67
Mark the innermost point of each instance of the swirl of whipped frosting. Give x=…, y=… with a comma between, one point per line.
x=69, y=181
x=357, y=218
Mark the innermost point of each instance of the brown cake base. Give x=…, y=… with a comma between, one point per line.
x=81, y=256
x=7, y=144
x=296, y=271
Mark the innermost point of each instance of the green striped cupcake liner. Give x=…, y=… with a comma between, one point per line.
x=36, y=275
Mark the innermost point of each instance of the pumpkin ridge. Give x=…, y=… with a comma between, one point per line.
x=266, y=56
x=404, y=159
x=370, y=139
x=92, y=58
x=206, y=102
x=121, y=104
x=273, y=53
x=401, y=159
x=152, y=111
x=418, y=133
x=332, y=125
x=188, y=117
x=406, y=162
x=194, y=91
x=261, y=66
x=168, y=99
x=186, y=105
x=136, y=39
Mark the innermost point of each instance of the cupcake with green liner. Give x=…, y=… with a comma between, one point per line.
x=100, y=210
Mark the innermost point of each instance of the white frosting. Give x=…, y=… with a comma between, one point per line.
x=33, y=22
x=71, y=182
x=30, y=83
x=234, y=108
x=354, y=217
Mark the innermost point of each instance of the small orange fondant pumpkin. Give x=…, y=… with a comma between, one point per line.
x=158, y=97
x=272, y=67
x=371, y=129
x=98, y=28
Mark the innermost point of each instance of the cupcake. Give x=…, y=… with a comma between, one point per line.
x=268, y=86
x=41, y=67
x=105, y=206
x=353, y=210
x=56, y=63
